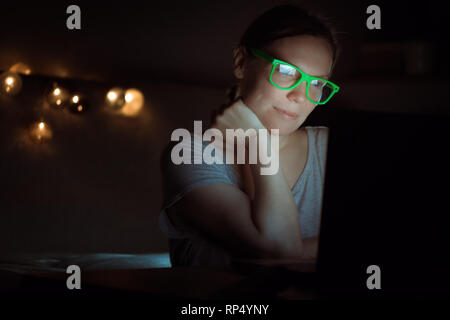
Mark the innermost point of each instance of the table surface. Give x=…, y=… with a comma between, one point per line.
x=274, y=279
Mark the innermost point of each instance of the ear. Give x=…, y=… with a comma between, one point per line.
x=239, y=59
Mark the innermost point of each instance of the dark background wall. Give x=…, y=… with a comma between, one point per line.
x=95, y=187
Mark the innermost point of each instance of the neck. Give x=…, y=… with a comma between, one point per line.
x=283, y=141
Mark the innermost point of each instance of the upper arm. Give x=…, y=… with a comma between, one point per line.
x=221, y=212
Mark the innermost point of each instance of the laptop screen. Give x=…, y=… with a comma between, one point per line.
x=386, y=204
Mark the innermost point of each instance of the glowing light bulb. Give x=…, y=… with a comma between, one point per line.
x=57, y=97
x=128, y=97
x=134, y=102
x=112, y=96
x=40, y=132
x=11, y=83
x=115, y=98
x=78, y=103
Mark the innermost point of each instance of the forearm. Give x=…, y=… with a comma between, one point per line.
x=275, y=213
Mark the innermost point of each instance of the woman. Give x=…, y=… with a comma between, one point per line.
x=213, y=212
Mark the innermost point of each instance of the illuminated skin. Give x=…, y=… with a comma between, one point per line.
x=311, y=54
x=262, y=221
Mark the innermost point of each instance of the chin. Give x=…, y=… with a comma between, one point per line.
x=284, y=128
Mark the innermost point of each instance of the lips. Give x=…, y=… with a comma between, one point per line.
x=287, y=114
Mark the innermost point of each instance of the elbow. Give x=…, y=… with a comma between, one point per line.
x=289, y=252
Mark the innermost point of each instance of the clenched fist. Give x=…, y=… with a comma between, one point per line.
x=235, y=117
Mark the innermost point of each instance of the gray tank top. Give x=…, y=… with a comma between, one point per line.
x=187, y=247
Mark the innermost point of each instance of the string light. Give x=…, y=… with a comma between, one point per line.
x=134, y=101
x=128, y=97
x=128, y=102
x=112, y=96
x=115, y=98
x=40, y=132
x=57, y=97
x=10, y=83
x=78, y=103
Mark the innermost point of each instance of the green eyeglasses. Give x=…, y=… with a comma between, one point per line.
x=286, y=76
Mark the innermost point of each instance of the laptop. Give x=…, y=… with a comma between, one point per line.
x=385, y=229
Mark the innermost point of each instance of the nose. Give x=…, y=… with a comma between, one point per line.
x=298, y=94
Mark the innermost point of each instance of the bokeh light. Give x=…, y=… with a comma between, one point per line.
x=58, y=96
x=40, y=132
x=134, y=101
x=10, y=83
x=21, y=68
x=78, y=103
x=115, y=98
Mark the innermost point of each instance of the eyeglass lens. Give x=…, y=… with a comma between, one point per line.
x=286, y=76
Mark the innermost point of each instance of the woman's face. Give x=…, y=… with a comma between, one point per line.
x=311, y=54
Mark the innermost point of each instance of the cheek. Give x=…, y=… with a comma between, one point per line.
x=261, y=96
x=258, y=95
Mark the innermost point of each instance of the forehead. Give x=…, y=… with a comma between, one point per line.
x=311, y=54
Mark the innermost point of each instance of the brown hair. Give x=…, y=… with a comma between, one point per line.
x=279, y=22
